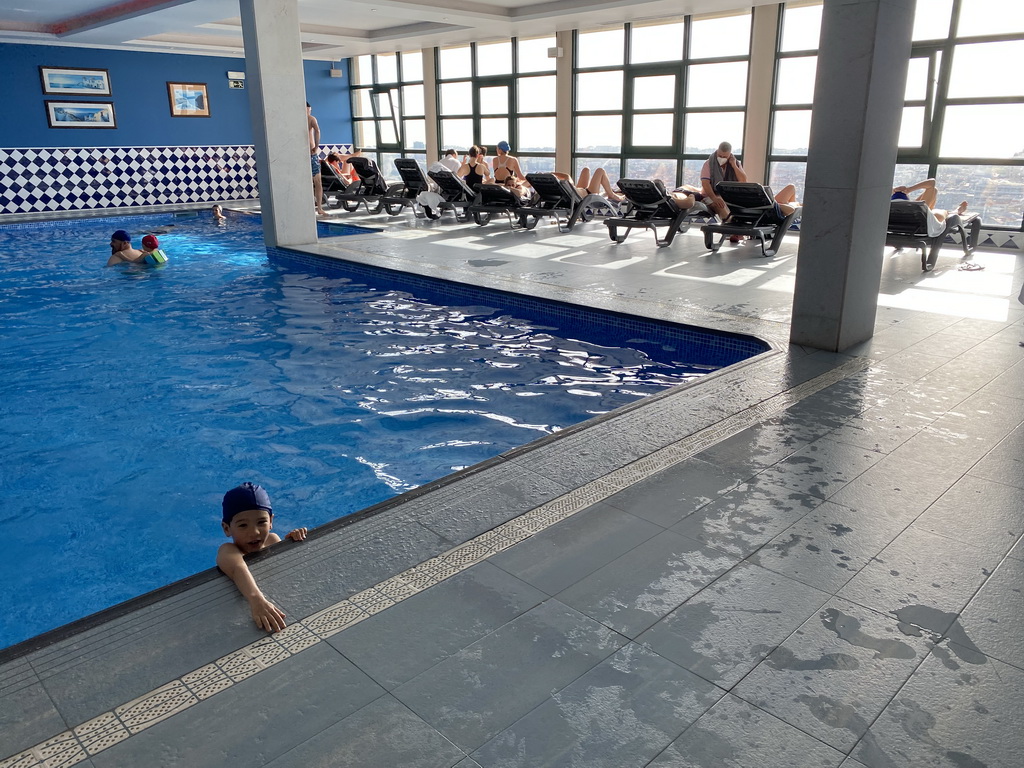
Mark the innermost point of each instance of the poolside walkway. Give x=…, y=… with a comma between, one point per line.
x=805, y=560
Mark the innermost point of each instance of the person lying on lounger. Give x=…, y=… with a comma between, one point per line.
x=593, y=183
x=929, y=196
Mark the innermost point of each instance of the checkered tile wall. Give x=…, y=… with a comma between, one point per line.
x=38, y=180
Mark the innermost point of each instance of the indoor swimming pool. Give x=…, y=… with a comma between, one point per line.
x=134, y=396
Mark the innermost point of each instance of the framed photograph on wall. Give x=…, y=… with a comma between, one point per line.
x=188, y=99
x=80, y=114
x=72, y=80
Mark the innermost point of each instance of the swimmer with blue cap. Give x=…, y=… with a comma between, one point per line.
x=247, y=518
x=121, y=251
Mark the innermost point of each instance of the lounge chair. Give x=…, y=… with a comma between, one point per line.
x=414, y=183
x=494, y=199
x=650, y=207
x=559, y=199
x=753, y=213
x=913, y=225
x=333, y=184
x=455, y=194
x=369, y=189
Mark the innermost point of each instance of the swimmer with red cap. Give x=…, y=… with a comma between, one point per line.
x=121, y=251
x=151, y=252
x=247, y=518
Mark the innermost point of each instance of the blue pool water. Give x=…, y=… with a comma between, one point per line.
x=133, y=397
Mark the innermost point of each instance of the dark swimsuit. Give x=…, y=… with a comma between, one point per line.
x=473, y=179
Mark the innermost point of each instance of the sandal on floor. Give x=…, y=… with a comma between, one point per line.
x=971, y=266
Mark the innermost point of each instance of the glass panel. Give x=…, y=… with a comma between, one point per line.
x=917, y=80
x=387, y=68
x=611, y=166
x=533, y=54
x=599, y=91
x=792, y=132
x=991, y=190
x=912, y=127
x=908, y=175
x=976, y=67
x=457, y=133
x=493, y=130
x=455, y=62
x=537, y=94
x=654, y=130
x=387, y=165
x=362, y=70
x=722, y=36
x=366, y=134
x=691, y=172
x=705, y=131
x=1001, y=125
x=457, y=98
x=412, y=66
x=537, y=134
x=657, y=42
x=383, y=105
x=387, y=132
x=781, y=174
x=931, y=19
x=363, y=103
x=652, y=169
x=600, y=49
x=990, y=17
x=796, y=80
x=415, y=134
x=494, y=100
x=599, y=133
x=412, y=99
x=801, y=28
x=531, y=164
x=494, y=58
x=717, y=85
x=654, y=92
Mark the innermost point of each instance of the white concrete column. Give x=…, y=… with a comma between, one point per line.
x=563, y=101
x=434, y=147
x=277, y=106
x=858, y=104
x=765, y=27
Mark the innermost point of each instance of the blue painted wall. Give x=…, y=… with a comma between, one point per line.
x=139, y=85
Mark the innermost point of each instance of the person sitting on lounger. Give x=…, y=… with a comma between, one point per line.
x=929, y=196
x=337, y=162
x=593, y=183
x=474, y=169
x=723, y=165
x=505, y=165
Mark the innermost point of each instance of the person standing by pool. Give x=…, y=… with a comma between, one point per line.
x=314, y=158
x=121, y=251
x=247, y=517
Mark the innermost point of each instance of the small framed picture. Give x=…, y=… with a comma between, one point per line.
x=188, y=99
x=80, y=114
x=78, y=82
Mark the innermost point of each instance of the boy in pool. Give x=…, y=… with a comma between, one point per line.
x=247, y=520
x=151, y=253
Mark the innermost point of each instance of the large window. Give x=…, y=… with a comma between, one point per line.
x=653, y=100
x=388, y=107
x=961, y=118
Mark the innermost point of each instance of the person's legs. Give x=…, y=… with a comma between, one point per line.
x=929, y=195
x=318, y=185
x=599, y=181
x=786, y=195
x=584, y=180
x=682, y=199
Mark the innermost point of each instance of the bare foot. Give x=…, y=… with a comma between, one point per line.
x=962, y=208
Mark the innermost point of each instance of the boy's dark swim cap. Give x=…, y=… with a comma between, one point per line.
x=121, y=235
x=243, y=498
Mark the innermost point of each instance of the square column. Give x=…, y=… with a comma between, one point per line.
x=858, y=105
x=277, y=107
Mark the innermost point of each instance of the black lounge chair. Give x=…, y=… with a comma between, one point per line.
x=333, y=184
x=455, y=194
x=913, y=225
x=559, y=199
x=753, y=213
x=369, y=189
x=414, y=183
x=650, y=207
x=494, y=199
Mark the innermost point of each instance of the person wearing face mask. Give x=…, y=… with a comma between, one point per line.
x=722, y=165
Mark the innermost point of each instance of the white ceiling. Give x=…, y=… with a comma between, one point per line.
x=330, y=29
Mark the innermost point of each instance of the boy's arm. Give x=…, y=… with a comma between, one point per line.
x=266, y=615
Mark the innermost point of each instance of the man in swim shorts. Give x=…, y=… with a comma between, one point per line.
x=121, y=251
x=314, y=160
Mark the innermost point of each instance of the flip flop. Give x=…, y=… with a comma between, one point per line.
x=971, y=266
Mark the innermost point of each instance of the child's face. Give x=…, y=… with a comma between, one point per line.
x=250, y=529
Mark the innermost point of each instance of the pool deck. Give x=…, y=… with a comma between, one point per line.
x=807, y=559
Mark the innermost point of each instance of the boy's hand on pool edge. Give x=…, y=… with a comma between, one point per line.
x=299, y=534
x=266, y=615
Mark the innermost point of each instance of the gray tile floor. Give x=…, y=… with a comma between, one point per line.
x=833, y=581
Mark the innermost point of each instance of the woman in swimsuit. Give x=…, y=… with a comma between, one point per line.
x=475, y=170
x=595, y=183
x=505, y=165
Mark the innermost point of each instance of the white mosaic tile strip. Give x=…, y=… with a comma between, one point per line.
x=110, y=728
